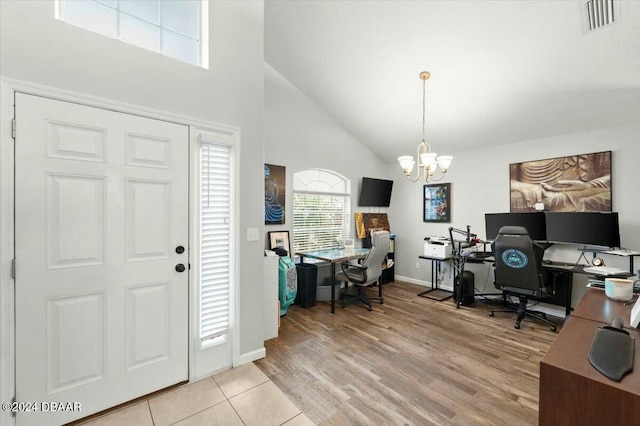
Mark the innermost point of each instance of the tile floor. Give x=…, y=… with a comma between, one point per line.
x=240, y=396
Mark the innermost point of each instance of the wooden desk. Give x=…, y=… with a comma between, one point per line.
x=572, y=391
x=596, y=306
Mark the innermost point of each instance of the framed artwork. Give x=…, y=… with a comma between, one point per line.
x=437, y=203
x=368, y=222
x=274, y=194
x=279, y=239
x=576, y=183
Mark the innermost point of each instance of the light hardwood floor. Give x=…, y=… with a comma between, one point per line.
x=411, y=360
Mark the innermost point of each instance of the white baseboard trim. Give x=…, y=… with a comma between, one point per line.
x=412, y=280
x=422, y=282
x=251, y=356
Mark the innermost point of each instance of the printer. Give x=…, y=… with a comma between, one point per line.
x=438, y=248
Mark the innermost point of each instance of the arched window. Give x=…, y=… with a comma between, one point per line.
x=321, y=209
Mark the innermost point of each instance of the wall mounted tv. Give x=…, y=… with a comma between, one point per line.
x=534, y=222
x=375, y=192
x=589, y=228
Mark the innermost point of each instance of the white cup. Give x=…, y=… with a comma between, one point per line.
x=618, y=289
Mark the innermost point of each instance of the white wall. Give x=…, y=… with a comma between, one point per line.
x=300, y=135
x=36, y=48
x=480, y=184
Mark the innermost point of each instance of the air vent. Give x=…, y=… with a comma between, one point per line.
x=600, y=13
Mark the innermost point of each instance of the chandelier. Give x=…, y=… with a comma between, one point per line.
x=428, y=161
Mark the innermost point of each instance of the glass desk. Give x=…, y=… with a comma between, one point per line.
x=334, y=256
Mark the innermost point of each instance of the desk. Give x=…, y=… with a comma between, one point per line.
x=334, y=256
x=572, y=391
x=596, y=306
x=435, y=274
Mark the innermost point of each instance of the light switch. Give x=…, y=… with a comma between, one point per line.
x=252, y=234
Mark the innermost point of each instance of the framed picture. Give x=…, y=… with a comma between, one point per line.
x=279, y=239
x=274, y=194
x=576, y=183
x=368, y=222
x=437, y=203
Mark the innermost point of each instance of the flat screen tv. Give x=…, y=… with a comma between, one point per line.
x=375, y=192
x=534, y=222
x=588, y=228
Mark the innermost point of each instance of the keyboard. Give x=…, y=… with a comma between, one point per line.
x=605, y=270
x=623, y=252
x=558, y=266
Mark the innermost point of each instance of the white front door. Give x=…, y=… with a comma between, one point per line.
x=101, y=217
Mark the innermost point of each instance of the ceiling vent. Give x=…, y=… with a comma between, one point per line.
x=600, y=13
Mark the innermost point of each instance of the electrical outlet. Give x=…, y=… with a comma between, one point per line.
x=418, y=265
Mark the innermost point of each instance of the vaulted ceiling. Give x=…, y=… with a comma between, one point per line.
x=502, y=71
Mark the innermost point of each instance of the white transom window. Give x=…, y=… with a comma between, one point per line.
x=173, y=28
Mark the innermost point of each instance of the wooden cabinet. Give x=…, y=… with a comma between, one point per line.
x=572, y=391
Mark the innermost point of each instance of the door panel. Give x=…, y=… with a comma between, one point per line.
x=76, y=231
x=148, y=335
x=148, y=217
x=101, y=203
x=75, y=349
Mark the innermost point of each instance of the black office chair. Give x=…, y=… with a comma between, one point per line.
x=519, y=271
x=367, y=273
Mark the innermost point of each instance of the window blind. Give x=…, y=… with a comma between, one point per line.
x=320, y=220
x=215, y=239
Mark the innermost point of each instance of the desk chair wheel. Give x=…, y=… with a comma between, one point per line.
x=516, y=326
x=490, y=314
x=553, y=328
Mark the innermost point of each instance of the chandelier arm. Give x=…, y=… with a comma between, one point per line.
x=412, y=180
x=432, y=179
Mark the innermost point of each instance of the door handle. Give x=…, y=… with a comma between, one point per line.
x=180, y=267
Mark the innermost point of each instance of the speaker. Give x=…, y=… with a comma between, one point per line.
x=468, y=288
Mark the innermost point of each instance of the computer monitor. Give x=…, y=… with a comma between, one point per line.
x=534, y=222
x=589, y=228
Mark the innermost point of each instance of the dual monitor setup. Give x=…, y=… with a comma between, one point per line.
x=587, y=228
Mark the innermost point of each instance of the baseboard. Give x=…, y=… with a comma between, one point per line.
x=422, y=283
x=412, y=280
x=251, y=356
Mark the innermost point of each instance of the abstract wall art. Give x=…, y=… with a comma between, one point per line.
x=437, y=203
x=274, y=194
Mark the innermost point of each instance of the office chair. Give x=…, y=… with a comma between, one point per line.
x=366, y=273
x=519, y=271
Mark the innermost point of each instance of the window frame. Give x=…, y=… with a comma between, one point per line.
x=200, y=38
x=330, y=188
